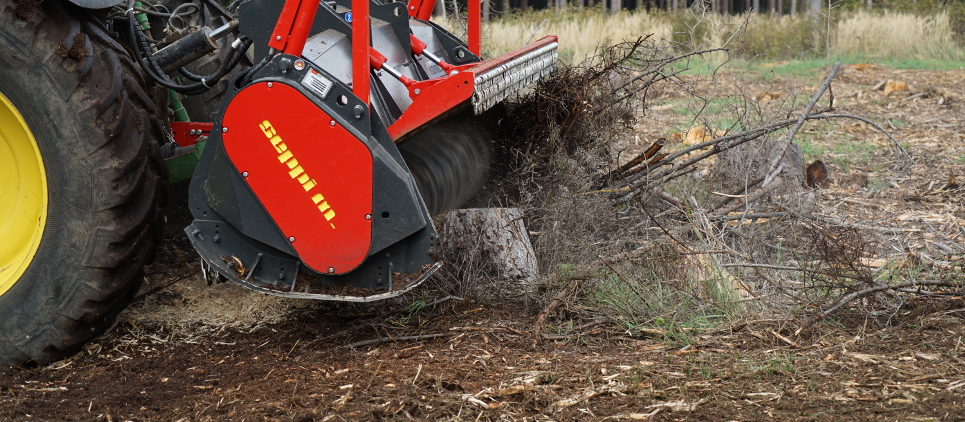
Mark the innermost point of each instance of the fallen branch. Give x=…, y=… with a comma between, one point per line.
x=645, y=181
x=486, y=329
x=789, y=268
x=785, y=339
x=396, y=339
x=672, y=200
x=884, y=287
x=774, y=168
x=748, y=216
x=541, y=319
x=750, y=198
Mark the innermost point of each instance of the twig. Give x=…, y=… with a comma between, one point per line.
x=730, y=141
x=417, y=372
x=847, y=299
x=374, y=374
x=486, y=329
x=655, y=79
x=760, y=192
x=852, y=225
x=534, y=31
x=141, y=296
x=396, y=339
x=775, y=165
x=789, y=268
x=660, y=65
x=748, y=216
x=445, y=299
x=904, y=153
x=541, y=319
x=785, y=339
x=670, y=199
x=738, y=193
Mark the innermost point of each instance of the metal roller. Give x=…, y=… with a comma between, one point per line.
x=449, y=161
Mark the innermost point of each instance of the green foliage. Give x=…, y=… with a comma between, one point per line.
x=667, y=296
x=781, y=38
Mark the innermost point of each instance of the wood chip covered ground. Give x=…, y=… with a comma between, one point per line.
x=196, y=353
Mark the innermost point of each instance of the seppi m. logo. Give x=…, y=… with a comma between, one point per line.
x=296, y=171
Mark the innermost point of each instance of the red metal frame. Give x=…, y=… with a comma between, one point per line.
x=435, y=97
x=302, y=27
x=421, y=9
x=283, y=28
x=474, y=23
x=333, y=236
x=183, y=135
x=295, y=23
x=360, y=49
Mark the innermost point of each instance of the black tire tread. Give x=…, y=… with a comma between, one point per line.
x=128, y=180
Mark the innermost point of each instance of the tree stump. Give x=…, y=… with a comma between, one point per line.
x=494, y=239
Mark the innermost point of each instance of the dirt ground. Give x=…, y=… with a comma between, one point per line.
x=196, y=353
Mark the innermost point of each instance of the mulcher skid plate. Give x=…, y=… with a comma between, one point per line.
x=302, y=190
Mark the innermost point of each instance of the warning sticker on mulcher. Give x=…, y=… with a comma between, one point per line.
x=431, y=68
x=317, y=83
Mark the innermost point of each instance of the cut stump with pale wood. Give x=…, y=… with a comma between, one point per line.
x=495, y=238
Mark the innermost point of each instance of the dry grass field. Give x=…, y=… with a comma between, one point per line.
x=759, y=36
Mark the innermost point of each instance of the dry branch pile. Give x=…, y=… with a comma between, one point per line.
x=653, y=238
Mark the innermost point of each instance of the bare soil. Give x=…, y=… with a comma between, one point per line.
x=198, y=353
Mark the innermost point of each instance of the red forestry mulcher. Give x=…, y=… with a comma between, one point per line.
x=325, y=135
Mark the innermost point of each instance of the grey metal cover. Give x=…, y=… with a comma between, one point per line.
x=96, y=4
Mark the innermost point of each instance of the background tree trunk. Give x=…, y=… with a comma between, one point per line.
x=814, y=7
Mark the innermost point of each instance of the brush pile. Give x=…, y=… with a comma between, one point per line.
x=664, y=236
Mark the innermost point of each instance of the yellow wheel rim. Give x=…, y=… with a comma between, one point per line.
x=23, y=195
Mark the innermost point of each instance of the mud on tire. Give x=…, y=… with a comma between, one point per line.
x=81, y=96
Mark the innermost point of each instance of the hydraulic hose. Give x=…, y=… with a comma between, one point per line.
x=142, y=53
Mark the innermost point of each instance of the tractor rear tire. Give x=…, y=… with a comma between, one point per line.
x=71, y=97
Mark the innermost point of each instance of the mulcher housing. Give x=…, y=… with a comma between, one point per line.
x=301, y=190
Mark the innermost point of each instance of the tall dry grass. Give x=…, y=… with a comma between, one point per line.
x=853, y=34
x=896, y=35
x=581, y=33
